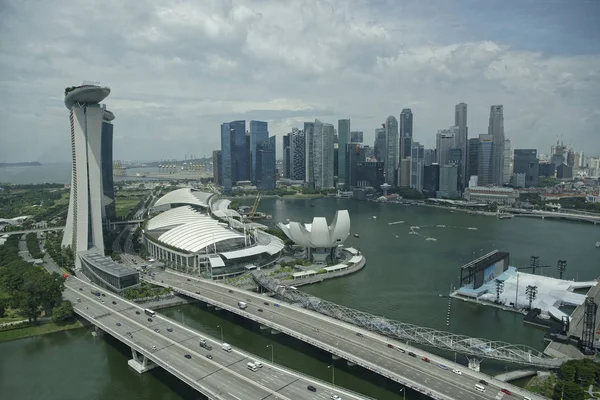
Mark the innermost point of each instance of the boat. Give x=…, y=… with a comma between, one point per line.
x=374, y=216
x=441, y=226
x=505, y=216
x=598, y=244
x=356, y=235
x=395, y=223
x=472, y=228
x=431, y=239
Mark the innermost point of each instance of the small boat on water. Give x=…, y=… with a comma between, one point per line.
x=472, y=228
x=356, y=235
x=441, y=226
x=598, y=244
x=374, y=216
x=431, y=239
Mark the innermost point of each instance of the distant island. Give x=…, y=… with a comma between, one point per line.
x=21, y=164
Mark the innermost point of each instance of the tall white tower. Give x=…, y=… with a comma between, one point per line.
x=83, y=229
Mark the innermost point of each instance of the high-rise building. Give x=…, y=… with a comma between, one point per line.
x=287, y=155
x=406, y=133
x=309, y=128
x=343, y=140
x=472, y=157
x=431, y=178
x=526, y=162
x=265, y=164
x=356, y=137
x=259, y=132
x=507, y=172
x=391, y=148
x=448, y=181
x=403, y=172
x=563, y=171
x=323, y=155
x=370, y=174
x=547, y=169
x=248, y=150
x=216, y=159
x=460, y=120
x=234, y=153
x=297, y=155
x=83, y=229
x=417, y=160
x=496, y=129
x=227, y=175
x=110, y=211
x=355, y=153
x=485, y=160
x=428, y=156
x=379, y=147
x=445, y=140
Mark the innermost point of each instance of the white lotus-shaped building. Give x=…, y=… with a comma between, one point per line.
x=319, y=234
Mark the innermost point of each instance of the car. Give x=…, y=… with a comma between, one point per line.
x=169, y=329
x=457, y=372
x=260, y=310
x=114, y=302
x=425, y=359
x=103, y=295
x=137, y=312
x=188, y=279
x=156, y=330
x=153, y=347
x=359, y=335
x=208, y=347
x=231, y=291
x=401, y=350
x=335, y=397
x=410, y=353
x=188, y=356
x=505, y=391
x=209, y=356
x=276, y=305
x=80, y=288
x=149, y=319
x=197, y=292
x=266, y=303
x=484, y=383
x=442, y=366
x=311, y=388
x=103, y=302
x=390, y=346
x=118, y=324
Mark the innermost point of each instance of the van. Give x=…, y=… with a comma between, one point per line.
x=251, y=367
x=257, y=363
x=480, y=388
x=226, y=347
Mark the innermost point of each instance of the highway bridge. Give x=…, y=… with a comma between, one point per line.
x=585, y=217
x=159, y=341
x=424, y=372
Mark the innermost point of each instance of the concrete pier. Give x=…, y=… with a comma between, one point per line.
x=140, y=363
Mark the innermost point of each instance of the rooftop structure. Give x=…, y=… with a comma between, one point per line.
x=319, y=234
x=491, y=194
x=106, y=273
x=184, y=196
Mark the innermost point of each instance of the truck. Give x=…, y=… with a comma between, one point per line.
x=226, y=347
x=242, y=305
x=95, y=292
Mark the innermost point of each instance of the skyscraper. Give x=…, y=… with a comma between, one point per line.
x=473, y=157
x=356, y=137
x=355, y=153
x=109, y=209
x=460, y=120
x=309, y=128
x=297, y=155
x=265, y=164
x=287, y=155
x=216, y=159
x=259, y=132
x=496, y=129
x=507, y=154
x=323, y=155
x=343, y=140
x=406, y=133
x=417, y=159
x=526, y=162
x=485, y=160
x=448, y=181
x=83, y=229
x=445, y=140
x=227, y=175
x=379, y=146
x=391, y=148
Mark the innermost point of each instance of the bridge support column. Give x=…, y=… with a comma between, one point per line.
x=97, y=332
x=275, y=332
x=334, y=357
x=140, y=363
x=474, y=363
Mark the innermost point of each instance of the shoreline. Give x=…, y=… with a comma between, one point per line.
x=43, y=328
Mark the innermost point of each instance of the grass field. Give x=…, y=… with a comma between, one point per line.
x=124, y=205
x=29, y=331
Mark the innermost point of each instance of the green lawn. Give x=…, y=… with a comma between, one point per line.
x=124, y=205
x=29, y=331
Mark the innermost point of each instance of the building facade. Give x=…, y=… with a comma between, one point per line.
x=496, y=129
x=460, y=120
x=370, y=174
x=391, y=149
x=445, y=140
x=485, y=160
x=525, y=161
x=323, y=155
x=259, y=132
x=265, y=164
x=448, y=181
x=472, y=157
x=417, y=160
x=286, y=156
x=216, y=159
x=110, y=211
x=356, y=137
x=297, y=155
x=379, y=146
x=507, y=169
x=490, y=195
x=343, y=140
x=431, y=178
x=309, y=128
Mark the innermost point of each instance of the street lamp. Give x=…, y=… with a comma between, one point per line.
x=332, y=374
x=403, y=390
x=271, y=346
x=219, y=326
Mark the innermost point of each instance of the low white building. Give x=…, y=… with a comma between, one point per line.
x=491, y=194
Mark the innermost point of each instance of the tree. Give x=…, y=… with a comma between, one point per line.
x=62, y=312
x=567, y=372
x=568, y=391
x=3, y=307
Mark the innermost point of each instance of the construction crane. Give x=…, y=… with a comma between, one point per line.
x=255, y=206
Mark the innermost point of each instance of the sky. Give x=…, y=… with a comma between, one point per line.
x=178, y=69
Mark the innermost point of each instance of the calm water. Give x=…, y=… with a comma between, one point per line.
x=402, y=280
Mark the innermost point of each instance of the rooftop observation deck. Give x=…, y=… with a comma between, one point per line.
x=86, y=93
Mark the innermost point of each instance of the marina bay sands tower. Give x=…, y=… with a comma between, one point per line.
x=83, y=230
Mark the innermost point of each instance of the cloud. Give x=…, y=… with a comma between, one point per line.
x=177, y=70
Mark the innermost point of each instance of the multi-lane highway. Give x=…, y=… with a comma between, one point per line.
x=438, y=377
x=168, y=344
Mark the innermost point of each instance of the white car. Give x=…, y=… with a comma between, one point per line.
x=335, y=397
x=153, y=347
x=457, y=372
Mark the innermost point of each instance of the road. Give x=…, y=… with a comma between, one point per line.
x=226, y=376
x=370, y=349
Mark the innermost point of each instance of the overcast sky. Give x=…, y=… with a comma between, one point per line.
x=177, y=69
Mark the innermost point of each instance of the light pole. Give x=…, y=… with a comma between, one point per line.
x=332, y=374
x=219, y=326
x=403, y=390
x=271, y=346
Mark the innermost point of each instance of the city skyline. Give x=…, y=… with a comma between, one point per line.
x=172, y=94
